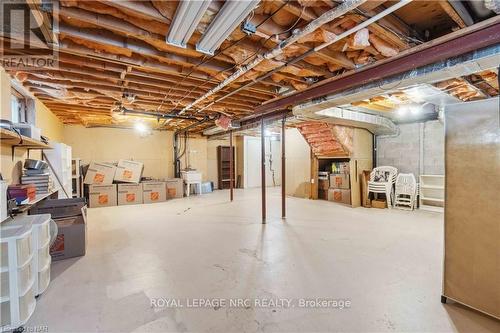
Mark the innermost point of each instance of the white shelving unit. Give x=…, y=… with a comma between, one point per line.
x=59, y=159
x=76, y=177
x=432, y=192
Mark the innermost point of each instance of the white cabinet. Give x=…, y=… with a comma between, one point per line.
x=59, y=159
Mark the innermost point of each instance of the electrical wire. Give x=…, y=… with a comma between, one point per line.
x=255, y=53
x=206, y=59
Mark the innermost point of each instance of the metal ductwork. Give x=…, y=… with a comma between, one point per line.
x=376, y=124
x=467, y=64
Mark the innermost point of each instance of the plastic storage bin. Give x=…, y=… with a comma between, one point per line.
x=25, y=279
x=25, y=269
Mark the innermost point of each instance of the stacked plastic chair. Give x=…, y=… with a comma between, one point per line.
x=382, y=180
x=406, y=191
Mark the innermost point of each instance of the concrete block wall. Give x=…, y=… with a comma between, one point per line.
x=419, y=148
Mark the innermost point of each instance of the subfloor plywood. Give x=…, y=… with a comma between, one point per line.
x=388, y=263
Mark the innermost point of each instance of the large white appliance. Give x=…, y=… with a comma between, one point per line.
x=59, y=159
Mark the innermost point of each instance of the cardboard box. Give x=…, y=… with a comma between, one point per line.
x=323, y=184
x=154, y=192
x=102, y=195
x=71, y=239
x=339, y=195
x=128, y=171
x=175, y=188
x=129, y=194
x=379, y=203
x=100, y=174
x=340, y=180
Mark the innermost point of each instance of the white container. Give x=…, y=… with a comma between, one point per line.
x=23, y=247
x=25, y=305
x=43, y=279
x=17, y=304
x=191, y=176
x=25, y=242
x=3, y=200
x=25, y=278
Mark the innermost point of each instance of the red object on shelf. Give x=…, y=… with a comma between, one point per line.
x=22, y=192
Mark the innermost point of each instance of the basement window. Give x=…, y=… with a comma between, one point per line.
x=20, y=108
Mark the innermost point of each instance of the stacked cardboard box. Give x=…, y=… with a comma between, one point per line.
x=102, y=195
x=100, y=174
x=128, y=171
x=154, y=192
x=130, y=194
x=340, y=185
x=175, y=188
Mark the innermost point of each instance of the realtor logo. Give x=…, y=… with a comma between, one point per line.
x=28, y=34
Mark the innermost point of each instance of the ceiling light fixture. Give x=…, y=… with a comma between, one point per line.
x=141, y=127
x=227, y=19
x=186, y=19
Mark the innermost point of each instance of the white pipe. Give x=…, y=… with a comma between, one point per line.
x=336, y=39
x=326, y=17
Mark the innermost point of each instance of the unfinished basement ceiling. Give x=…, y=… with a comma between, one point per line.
x=114, y=55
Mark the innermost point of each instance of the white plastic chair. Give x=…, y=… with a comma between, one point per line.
x=406, y=191
x=382, y=180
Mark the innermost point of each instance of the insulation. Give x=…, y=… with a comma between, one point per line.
x=359, y=40
x=326, y=140
x=386, y=49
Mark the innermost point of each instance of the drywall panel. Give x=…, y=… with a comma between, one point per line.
x=472, y=228
x=112, y=144
x=298, y=164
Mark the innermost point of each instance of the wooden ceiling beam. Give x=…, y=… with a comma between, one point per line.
x=140, y=9
x=126, y=46
x=76, y=16
x=137, y=90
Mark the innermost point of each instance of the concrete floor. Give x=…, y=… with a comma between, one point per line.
x=388, y=264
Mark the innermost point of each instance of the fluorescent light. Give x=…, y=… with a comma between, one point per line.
x=227, y=19
x=186, y=19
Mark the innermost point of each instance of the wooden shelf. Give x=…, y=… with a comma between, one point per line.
x=11, y=138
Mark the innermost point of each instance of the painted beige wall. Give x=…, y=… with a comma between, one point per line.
x=112, y=144
x=49, y=124
x=4, y=94
x=212, y=159
x=298, y=164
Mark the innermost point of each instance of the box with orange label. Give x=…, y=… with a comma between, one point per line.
x=154, y=192
x=340, y=180
x=102, y=195
x=175, y=188
x=339, y=195
x=100, y=174
x=129, y=194
x=128, y=171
